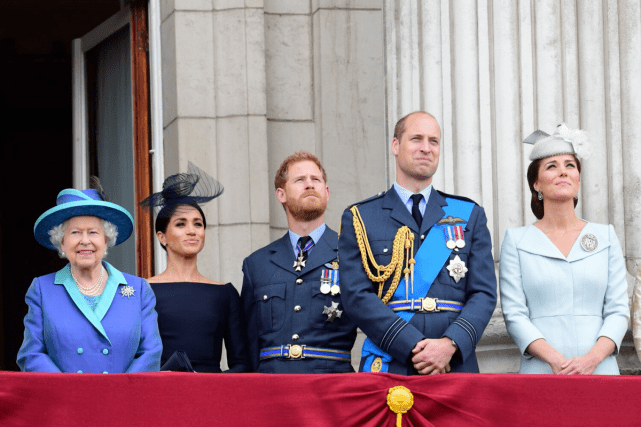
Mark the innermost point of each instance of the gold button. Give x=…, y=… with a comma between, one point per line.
x=264, y=297
x=295, y=337
x=297, y=308
x=299, y=281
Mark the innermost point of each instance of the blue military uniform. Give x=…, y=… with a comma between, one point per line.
x=473, y=295
x=284, y=309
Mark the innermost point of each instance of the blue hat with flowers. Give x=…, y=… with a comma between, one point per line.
x=71, y=202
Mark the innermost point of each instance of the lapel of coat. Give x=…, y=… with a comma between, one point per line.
x=536, y=242
x=399, y=213
x=433, y=211
x=324, y=251
x=603, y=242
x=115, y=279
x=63, y=277
x=283, y=255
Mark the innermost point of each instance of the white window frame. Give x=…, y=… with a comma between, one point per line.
x=80, y=151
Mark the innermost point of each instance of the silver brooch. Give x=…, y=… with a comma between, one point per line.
x=589, y=242
x=127, y=291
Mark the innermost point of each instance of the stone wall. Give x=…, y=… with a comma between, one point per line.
x=248, y=82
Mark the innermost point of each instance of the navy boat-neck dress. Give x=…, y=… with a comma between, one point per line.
x=196, y=318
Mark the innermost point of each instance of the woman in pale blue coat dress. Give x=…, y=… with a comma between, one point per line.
x=562, y=279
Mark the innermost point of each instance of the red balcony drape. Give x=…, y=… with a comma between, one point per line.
x=163, y=399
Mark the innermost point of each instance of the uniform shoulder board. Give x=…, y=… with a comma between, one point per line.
x=377, y=196
x=453, y=196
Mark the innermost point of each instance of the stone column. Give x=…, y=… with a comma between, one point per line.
x=494, y=71
x=213, y=54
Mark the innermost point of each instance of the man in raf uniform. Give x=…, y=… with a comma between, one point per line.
x=291, y=293
x=416, y=265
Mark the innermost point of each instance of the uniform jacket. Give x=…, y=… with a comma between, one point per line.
x=271, y=291
x=570, y=302
x=383, y=215
x=63, y=334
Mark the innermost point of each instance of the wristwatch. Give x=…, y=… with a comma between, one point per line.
x=453, y=343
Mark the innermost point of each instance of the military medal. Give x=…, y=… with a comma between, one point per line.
x=589, y=242
x=325, y=282
x=335, y=289
x=127, y=291
x=460, y=238
x=332, y=312
x=302, y=255
x=457, y=268
x=449, y=238
x=300, y=262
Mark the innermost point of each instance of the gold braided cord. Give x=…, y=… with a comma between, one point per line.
x=403, y=241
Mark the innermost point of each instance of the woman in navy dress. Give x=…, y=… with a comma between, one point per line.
x=195, y=313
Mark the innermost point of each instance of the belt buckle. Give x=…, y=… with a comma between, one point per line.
x=429, y=305
x=295, y=351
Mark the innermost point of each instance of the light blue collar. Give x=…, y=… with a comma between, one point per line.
x=405, y=195
x=315, y=235
x=63, y=277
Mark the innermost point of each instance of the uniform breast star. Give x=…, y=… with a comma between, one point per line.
x=332, y=312
x=457, y=268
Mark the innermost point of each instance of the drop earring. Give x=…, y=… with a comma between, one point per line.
x=540, y=195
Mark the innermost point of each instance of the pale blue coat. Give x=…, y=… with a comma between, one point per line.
x=568, y=302
x=63, y=334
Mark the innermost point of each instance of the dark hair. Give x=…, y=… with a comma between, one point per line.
x=281, y=173
x=167, y=211
x=532, y=176
x=399, y=129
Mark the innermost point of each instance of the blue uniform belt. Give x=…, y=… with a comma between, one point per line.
x=290, y=351
x=425, y=305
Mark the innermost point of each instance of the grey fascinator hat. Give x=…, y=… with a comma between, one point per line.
x=563, y=141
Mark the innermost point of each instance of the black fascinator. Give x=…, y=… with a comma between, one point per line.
x=193, y=187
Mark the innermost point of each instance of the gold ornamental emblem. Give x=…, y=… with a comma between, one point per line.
x=428, y=304
x=295, y=351
x=399, y=399
x=377, y=364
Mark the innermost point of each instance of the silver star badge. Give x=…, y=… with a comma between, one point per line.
x=332, y=312
x=127, y=291
x=457, y=268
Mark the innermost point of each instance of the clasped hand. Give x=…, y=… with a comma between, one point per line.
x=432, y=356
x=580, y=365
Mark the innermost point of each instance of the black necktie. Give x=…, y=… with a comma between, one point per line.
x=416, y=212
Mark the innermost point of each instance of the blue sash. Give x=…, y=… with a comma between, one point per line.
x=430, y=258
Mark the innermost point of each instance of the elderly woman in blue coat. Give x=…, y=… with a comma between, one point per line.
x=562, y=279
x=88, y=317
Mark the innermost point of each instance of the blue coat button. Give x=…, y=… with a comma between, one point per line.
x=105, y=351
x=80, y=350
x=80, y=372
